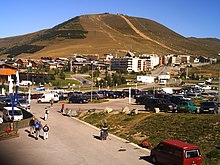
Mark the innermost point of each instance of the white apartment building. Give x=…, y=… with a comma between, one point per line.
x=149, y=61
x=136, y=64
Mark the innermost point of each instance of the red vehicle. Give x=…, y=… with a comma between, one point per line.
x=175, y=152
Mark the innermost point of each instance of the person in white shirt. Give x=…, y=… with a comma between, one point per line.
x=1, y=120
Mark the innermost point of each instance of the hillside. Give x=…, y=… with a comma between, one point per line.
x=106, y=33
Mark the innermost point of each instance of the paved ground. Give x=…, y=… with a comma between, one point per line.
x=70, y=142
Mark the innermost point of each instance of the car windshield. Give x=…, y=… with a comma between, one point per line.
x=165, y=101
x=22, y=101
x=192, y=153
x=15, y=112
x=191, y=104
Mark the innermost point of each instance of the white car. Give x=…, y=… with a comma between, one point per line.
x=25, y=82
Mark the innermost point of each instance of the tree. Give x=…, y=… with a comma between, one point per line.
x=193, y=76
x=84, y=69
x=116, y=79
x=62, y=75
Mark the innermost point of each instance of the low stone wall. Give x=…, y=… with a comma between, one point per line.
x=17, y=124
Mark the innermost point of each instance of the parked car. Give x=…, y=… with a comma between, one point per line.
x=5, y=102
x=143, y=99
x=104, y=93
x=133, y=92
x=187, y=106
x=176, y=99
x=78, y=99
x=23, y=103
x=120, y=94
x=94, y=94
x=163, y=104
x=7, y=114
x=176, y=152
x=112, y=95
x=208, y=107
x=25, y=82
x=36, y=96
x=48, y=97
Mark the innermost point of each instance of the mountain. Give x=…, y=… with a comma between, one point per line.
x=106, y=33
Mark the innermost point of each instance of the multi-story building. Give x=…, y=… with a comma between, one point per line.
x=136, y=64
x=149, y=61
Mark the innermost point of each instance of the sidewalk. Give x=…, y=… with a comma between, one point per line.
x=70, y=142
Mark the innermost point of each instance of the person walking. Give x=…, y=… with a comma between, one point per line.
x=46, y=130
x=51, y=103
x=104, y=131
x=46, y=113
x=37, y=127
x=62, y=108
x=31, y=124
x=1, y=120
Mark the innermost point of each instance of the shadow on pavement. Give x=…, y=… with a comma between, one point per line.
x=97, y=137
x=30, y=135
x=146, y=158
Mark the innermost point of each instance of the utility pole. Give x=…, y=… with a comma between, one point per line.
x=219, y=88
x=92, y=81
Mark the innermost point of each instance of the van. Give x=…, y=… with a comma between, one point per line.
x=25, y=82
x=47, y=97
x=7, y=114
x=176, y=152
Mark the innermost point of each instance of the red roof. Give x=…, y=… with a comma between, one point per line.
x=180, y=144
x=6, y=72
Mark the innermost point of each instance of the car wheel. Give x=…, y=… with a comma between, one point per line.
x=154, y=159
x=39, y=101
x=147, y=108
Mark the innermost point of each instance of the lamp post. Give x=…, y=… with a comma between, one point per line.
x=219, y=88
x=92, y=80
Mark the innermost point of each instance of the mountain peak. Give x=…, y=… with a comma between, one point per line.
x=106, y=33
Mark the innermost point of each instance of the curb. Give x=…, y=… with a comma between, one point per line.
x=119, y=138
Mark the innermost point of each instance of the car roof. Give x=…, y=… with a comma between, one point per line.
x=10, y=108
x=180, y=144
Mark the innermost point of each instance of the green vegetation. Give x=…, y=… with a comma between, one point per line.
x=206, y=71
x=62, y=79
x=202, y=130
x=16, y=50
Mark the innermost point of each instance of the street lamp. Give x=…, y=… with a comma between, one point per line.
x=92, y=80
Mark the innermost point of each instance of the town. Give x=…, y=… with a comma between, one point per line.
x=159, y=85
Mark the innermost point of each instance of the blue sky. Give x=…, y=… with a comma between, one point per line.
x=190, y=18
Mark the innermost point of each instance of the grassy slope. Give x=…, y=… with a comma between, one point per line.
x=200, y=129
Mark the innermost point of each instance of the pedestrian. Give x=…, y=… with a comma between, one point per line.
x=31, y=124
x=51, y=103
x=37, y=127
x=104, y=131
x=62, y=108
x=46, y=113
x=1, y=120
x=46, y=130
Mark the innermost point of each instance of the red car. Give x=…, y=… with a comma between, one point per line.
x=169, y=152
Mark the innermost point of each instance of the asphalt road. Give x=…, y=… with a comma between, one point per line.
x=71, y=142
